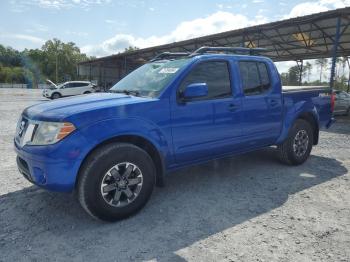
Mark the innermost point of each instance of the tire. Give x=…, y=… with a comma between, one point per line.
x=55, y=95
x=295, y=150
x=99, y=171
x=87, y=92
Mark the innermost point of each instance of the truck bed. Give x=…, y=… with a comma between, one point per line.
x=287, y=89
x=315, y=97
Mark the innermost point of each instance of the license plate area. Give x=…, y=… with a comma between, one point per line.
x=25, y=130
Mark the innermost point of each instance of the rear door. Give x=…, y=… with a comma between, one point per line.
x=69, y=89
x=82, y=87
x=210, y=126
x=262, y=104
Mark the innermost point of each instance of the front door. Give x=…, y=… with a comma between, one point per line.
x=206, y=127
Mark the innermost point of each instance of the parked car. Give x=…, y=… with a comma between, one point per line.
x=342, y=103
x=113, y=148
x=71, y=88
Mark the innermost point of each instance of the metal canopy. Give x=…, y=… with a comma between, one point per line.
x=307, y=37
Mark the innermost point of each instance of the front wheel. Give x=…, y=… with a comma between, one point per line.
x=56, y=95
x=297, y=147
x=116, y=181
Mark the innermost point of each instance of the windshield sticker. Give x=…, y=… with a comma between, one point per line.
x=168, y=70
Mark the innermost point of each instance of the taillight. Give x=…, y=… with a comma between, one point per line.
x=332, y=102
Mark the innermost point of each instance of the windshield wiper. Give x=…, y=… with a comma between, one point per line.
x=127, y=92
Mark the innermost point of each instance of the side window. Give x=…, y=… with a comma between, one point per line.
x=76, y=85
x=264, y=77
x=69, y=85
x=215, y=74
x=255, y=78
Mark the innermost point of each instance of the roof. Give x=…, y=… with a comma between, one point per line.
x=300, y=38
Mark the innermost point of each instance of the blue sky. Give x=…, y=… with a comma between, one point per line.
x=102, y=27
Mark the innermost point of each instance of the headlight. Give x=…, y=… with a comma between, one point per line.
x=46, y=133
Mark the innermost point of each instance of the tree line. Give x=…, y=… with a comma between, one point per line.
x=55, y=60
x=323, y=65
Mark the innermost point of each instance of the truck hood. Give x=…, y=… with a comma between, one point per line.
x=92, y=107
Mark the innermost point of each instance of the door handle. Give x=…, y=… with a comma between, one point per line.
x=232, y=107
x=273, y=103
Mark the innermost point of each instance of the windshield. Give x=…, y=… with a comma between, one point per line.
x=150, y=79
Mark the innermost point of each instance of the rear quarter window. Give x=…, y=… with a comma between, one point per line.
x=255, y=77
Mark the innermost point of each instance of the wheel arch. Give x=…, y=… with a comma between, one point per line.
x=136, y=140
x=56, y=92
x=310, y=116
x=312, y=120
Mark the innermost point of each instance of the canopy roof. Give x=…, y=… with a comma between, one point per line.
x=300, y=38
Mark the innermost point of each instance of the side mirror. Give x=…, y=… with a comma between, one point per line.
x=195, y=90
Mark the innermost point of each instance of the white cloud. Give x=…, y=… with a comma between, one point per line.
x=30, y=38
x=312, y=7
x=110, y=21
x=76, y=33
x=218, y=22
x=37, y=27
x=22, y=5
x=284, y=66
x=151, y=9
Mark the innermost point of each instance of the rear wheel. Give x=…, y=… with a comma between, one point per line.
x=55, y=95
x=87, y=92
x=116, y=181
x=297, y=147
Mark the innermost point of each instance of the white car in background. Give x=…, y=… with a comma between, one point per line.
x=71, y=88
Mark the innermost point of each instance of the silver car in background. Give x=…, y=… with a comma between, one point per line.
x=342, y=103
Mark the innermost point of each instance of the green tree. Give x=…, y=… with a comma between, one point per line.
x=130, y=49
x=60, y=60
x=322, y=65
x=285, y=78
x=307, y=70
x=55, y=60
x=293, y=75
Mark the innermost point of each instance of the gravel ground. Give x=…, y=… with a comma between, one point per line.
x=245, y=208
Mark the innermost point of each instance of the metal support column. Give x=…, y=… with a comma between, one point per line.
x=300, y=65
x=124, y=66
x=334, y=53
x=347, y=60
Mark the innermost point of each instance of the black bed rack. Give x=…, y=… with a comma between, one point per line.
x=210, y=50
x=170, y=55
x=226, y=49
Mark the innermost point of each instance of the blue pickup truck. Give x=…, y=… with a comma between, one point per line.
x=175, y=111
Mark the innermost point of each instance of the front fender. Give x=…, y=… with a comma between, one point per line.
x=293, y=113
x=104, y=130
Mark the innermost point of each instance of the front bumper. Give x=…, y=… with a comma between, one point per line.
x=47, y=95
x=53, y=167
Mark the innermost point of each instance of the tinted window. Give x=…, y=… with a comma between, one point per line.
x=79, y=84
x=255, y=77
x=264, y=77
x=215, y=74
